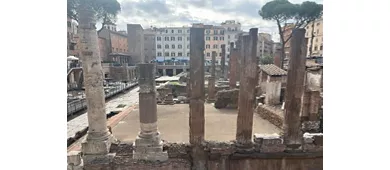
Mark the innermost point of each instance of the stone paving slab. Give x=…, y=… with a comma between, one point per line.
x=173, y=124
x=130, y=98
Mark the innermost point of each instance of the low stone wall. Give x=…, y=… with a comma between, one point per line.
x=267, y=152
x=273, y=115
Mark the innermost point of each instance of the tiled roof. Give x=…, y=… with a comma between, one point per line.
x=273, y=70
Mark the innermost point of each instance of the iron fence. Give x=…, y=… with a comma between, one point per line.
x=75, y=106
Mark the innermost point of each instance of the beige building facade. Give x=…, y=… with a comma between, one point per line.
x=314, y=31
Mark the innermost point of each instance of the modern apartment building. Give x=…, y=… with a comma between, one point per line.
x=172, y=42
x=150, y=44
x=232, y=29
x=214, y=37
x=264, y=45
x=314, y=31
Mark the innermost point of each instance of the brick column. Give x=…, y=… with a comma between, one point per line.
x=233, y=67
x=98, y=140
x=211, y=80
x=148, y=145
x=197, y=119
x=294, y=90
x=223, y=71
x=248, y=81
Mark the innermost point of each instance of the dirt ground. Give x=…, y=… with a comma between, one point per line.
x=173, y=124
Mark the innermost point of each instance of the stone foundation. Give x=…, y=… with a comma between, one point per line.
x=272, y=114
x=268, y=153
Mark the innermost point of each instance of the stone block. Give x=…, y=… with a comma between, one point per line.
x=98, y=159
x=269, y=142
x=74, y=158
x=95, y=147
x=313, y=142
x=311, y=126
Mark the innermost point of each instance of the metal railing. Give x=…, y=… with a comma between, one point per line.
x=78, y=105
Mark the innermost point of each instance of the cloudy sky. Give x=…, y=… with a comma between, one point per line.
x=161, y=13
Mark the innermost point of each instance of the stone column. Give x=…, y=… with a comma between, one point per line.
x=197, y=119
x=98, y=140
x=248, y=81
x=223, y=46
x=174, y=72
x=211, y=80
x=233, y=67
x=148, y=145
x=294, y=90
x=164, y=72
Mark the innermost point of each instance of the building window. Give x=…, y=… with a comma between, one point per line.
x=207, y=31
x=179, y=46
x=166, y=46
x=158, y=46
x=315, y=48
x=158, y=38
x=172, y=38
x=318, y=31
x=221, y=38
x=215, y=32
x=318, y=23
x=179, y=31
x=235, y=29
x=179, y=38
x=69, y=24
x=215, y=38
x=321, y=47
x=166, y=31
x=208, y=54
x=188, y=38
x=173, y=46
x=207, y=46
x=229, y=29
x=173, y=54
x=215, y=46
x=159, y=54
x=179, y=54
x=228, y=36
x=166, y=38
x=207, y=38
x=166, y=54
x=220, y=54
x=222, y=32
x=173, y=31
x=188, y=54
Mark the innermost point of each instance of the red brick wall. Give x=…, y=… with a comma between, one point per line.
x=118, y=43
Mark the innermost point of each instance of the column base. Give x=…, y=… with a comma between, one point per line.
x=150, y=149
x=97, y=146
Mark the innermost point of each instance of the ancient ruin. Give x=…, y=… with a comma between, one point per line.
x=296, y=148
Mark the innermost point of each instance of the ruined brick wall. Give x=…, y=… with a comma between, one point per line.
x=271, y=114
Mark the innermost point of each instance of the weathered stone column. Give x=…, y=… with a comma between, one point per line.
x=98, y=140
x=223, y=69
x=164, y=72
x=294, y=90
x=233, y=67
x=248, y=81
x=148, y=145
x=211, y=80
x=197, y=119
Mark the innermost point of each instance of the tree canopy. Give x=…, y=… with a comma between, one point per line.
x=285, y=12
x=266, y=59
x=106, y=10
